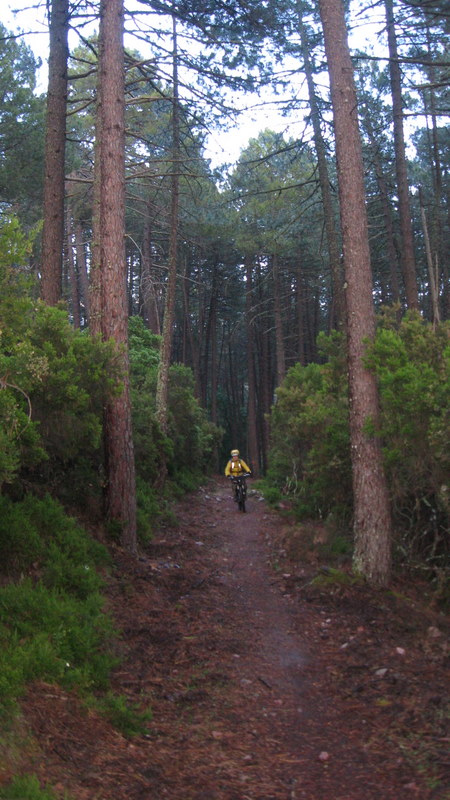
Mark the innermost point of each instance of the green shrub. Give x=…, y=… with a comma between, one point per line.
x=309, y=459
x=55, y=382
x=310, y=451
x=412, y=364
x=52, y=624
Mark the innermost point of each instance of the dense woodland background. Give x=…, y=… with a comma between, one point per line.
x=156, y=312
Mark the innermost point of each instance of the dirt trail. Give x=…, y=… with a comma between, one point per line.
x=261, y=687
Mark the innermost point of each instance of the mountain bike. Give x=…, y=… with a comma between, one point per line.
x=240, y=490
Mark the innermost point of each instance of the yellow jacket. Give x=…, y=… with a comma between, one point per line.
x=238, y=467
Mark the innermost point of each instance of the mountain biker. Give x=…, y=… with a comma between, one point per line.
x=236, y=466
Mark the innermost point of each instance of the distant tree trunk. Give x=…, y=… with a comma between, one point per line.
x=433, y=273
x=265, y=382
x=387, y=211
x=150, y=310
x=252, y=437
x=162, y=389
x=441, y=251
x=337, y=279
x=278, y=317
x=95, y=276
x=408, y=260
x=372, y=520
x=82, y=269
x=212, y=336
x=300, y=303
x=121, y=490
x=73, y=278
x=390, y=234
x=193, y=347
x=54, y=159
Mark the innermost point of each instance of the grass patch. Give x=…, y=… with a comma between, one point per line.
x=27, y=787
x=330, y=577
x=128, y=718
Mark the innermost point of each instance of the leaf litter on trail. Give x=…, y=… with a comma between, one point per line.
x=246, y=694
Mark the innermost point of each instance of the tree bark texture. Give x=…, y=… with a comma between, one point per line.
x=54, y=159
x=121, y=491
x=372, y=521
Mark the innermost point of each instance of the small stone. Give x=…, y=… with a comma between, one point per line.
x=400, y=651
x=380, y=673
x=324, y=756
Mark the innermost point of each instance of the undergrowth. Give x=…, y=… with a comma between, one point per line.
x=52, y=623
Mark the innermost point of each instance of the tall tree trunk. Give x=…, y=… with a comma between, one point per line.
x=337, y=279
x=408, y=261
x=252, y=437
x=54, y=159
x=372, y=520
x=162, y=389
x=121, y=490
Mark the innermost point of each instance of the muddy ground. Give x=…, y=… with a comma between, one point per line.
x=264, y=683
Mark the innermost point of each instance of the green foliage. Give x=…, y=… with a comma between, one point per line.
x=54, y=382
x=412, y=364
x=149, y=509
x=27, y=787
x=52, y=625
x=21, y=126
x=310, y=455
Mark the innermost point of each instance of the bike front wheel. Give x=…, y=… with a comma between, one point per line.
x=241, y=499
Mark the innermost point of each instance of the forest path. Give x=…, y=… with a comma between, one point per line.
x=261, y=689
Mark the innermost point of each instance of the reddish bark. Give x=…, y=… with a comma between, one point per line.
x=121, y=491
x=372, y=521
x=54, y=166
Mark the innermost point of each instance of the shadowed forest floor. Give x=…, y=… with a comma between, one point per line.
x=263, y=684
